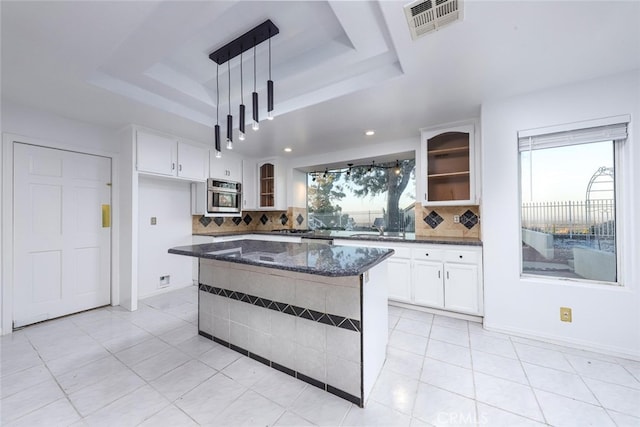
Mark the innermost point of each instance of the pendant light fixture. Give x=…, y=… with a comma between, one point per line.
x=269, y=88
x=248, y=40
x=241, y=112
x=254, y=95
x=229, y=116
x=217, y=126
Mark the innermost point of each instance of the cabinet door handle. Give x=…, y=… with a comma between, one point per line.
x=438, y=274
x=180, y=168
x=173, y=166
x=447, y=275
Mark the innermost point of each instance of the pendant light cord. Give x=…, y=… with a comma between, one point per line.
x=229, y=73
x=254, y=67
x=269, y=55
x=241, y=87
x=217, y=94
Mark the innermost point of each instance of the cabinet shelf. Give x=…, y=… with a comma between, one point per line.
x=453, y=150
x=448, y=175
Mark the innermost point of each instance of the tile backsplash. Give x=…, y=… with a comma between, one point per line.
x=437, y=221
x=293, y=218
x=430, y=221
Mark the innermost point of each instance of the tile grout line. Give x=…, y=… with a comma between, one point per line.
x=535, y=396
x=413, y=407
x=66, y=396
x=473, y=377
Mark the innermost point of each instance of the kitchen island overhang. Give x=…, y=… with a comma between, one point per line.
x=316, y=312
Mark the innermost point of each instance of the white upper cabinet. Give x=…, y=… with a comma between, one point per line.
x=226, y=168
x=156, y=154
x=449, y=164
x=193, y=162
x=163, y=155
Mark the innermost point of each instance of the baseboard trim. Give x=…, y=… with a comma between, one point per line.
x=469, y=317
x=164, y=291
x=564, y=342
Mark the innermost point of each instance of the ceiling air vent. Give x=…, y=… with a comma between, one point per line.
x=425, y=16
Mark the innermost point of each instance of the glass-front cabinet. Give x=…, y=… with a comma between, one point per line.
x=449, y=165
x=271, y=185
x=267, y=185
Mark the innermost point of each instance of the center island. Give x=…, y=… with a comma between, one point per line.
x=314, y=311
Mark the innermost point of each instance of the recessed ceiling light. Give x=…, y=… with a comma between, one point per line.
x=288, y=149
x=370, y=132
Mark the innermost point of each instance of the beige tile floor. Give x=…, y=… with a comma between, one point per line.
x=110, y=367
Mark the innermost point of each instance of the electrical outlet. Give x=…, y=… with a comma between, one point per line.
x=154, y=220
x=456, y=219
x=164, y=281
x=565, y=314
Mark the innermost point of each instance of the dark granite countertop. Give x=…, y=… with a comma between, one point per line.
x=310, y=258
x=354, y=235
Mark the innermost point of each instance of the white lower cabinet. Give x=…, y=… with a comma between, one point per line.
x=461, y=288
x=445, y=277
x=427, y=283
x=399, y=284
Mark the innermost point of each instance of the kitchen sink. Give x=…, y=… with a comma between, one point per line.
x=378, y=236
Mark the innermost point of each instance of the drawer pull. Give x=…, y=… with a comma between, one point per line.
x=427, y=254
x=460, y=256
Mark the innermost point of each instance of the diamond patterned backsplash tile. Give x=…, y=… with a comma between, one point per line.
x=293, y=218
x=433, y=219
x=468, y=219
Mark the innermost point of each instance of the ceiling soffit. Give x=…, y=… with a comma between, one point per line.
x=324, y=50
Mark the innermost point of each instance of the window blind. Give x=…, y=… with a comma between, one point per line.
x=613, y=132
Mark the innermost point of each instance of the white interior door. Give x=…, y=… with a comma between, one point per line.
x=62, y=234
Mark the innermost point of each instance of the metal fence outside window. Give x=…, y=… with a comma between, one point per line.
x=582, y=218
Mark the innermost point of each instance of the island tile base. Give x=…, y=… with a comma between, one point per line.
x=330, y=332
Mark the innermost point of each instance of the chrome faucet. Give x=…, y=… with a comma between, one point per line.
x=379, y=224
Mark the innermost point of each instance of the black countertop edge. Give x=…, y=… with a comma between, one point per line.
x=462, y=241
x=204, y=251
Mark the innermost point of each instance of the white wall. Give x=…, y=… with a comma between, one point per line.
x=170, y=202
x=50, y=130
x=605, y=317
x=39, y=124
